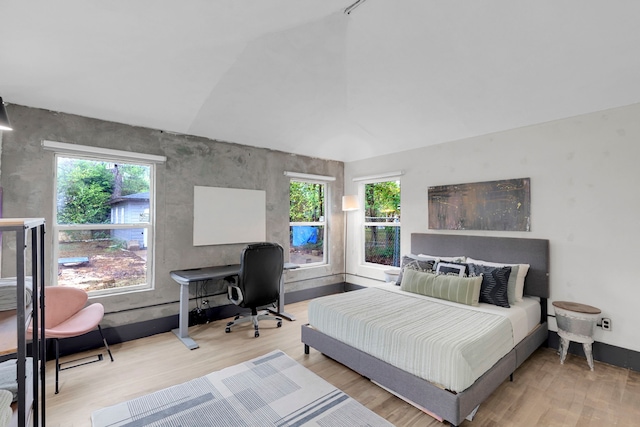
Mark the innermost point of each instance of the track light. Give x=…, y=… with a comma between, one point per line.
x=350, y=9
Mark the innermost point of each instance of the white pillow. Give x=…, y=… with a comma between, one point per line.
x=446, y=268
x=460, y=258
x=514, y=293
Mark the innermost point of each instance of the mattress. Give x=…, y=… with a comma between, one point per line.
x=448, y=344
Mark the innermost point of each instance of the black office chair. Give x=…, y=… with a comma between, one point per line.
x=258, y=283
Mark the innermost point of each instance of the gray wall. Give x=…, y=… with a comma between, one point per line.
x=26, y=175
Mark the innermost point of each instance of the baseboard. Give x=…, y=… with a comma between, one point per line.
x=606, y=353
x=120, y=334
x=351, y=287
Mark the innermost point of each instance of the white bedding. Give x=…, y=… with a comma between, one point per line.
x=524, y=316
x=8, y=292
x=446, y=343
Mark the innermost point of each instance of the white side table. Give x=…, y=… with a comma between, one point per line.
x=576, y=322
x=391, y=276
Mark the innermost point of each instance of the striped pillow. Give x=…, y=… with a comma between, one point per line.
x=464, y=290
x=494, y=287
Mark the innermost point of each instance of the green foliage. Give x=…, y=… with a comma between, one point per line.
x=382, y=199
x=382, y=245
x=306, y=201
x=85, y=188
x=382, y=204
x=135, y=179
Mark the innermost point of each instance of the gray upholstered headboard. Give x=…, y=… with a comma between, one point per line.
x=534, y=252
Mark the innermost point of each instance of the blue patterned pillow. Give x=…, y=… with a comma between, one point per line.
x=494, y=289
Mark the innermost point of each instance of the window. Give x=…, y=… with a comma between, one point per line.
x=103, y=230
x=307, y=223
x=382, y=223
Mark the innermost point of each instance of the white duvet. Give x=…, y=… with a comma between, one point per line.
x=448, y=344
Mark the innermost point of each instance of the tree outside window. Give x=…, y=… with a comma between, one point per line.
x=382, y=223
x=307, y=223
x=103, y=223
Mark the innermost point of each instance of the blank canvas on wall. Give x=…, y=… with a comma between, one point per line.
x=228, y=215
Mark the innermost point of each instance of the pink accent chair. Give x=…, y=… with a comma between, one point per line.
x=67, y=315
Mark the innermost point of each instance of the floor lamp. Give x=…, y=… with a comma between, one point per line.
x=349, y=203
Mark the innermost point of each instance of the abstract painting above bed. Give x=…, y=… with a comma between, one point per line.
x=503, y=205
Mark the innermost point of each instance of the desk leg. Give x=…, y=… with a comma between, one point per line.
x=183, y=330
x=281, y=311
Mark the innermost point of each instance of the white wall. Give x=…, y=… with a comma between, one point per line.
x=585, y=173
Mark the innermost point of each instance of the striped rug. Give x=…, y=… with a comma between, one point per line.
x=271, y=390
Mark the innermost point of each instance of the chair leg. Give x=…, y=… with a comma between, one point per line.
x=57, y=362
x=253, y=318
x=105, y=343
x=59, y=365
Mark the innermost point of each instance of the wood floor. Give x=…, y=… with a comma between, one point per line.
x=543, y=393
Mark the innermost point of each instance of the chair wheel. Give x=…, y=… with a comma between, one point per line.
x=279, y=324
x=227, y=330
x=257, y=334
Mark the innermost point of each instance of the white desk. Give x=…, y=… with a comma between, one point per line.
x=186, y=277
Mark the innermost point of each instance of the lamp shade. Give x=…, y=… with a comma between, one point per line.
x=350, y=203
x=5, y=124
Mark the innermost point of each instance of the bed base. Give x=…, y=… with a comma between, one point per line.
x=452, y=407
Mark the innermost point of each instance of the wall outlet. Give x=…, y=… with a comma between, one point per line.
x=606, y=324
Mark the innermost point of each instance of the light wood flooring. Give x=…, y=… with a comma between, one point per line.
x=543, y=393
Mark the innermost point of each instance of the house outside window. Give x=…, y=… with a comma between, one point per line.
x=382, y=223
x=307, y=223
x=104, y=222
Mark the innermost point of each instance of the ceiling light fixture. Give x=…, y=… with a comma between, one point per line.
x=350, y=9
x=5, y=124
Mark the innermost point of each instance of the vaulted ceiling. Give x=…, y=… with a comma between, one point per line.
x=304, y=77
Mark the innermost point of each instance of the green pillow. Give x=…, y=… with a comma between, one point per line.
x=465, y=290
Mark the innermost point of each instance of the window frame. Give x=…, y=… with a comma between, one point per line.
x=81, y=152
x=324, y=224
x=365, y=224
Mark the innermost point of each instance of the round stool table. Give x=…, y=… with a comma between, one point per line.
x=576, y=322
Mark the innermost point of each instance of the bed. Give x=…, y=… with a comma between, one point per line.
x=451, y=401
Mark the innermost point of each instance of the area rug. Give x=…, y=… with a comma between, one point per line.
x=271, y=390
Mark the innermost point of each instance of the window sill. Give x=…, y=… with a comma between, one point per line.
x=374, y=271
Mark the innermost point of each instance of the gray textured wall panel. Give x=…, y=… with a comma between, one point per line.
x=27, y=172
